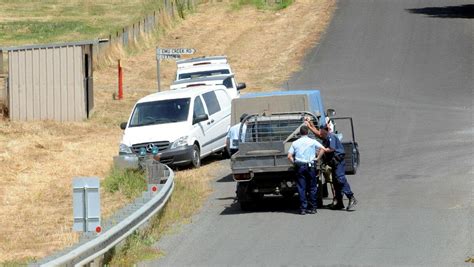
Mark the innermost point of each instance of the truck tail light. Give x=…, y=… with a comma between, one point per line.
x=242, y=176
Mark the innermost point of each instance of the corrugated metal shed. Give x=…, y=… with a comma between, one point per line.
x=50, y=82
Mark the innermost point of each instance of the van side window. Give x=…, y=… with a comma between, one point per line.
x=211, y=102
x=228, y=83
x=198, y=108
x=224, y=99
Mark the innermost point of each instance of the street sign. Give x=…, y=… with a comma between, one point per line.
x=169, y=53
x=167, y=56
x=86, y=204
x=175, y=51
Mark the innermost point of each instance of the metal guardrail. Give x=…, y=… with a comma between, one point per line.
x=130, y=218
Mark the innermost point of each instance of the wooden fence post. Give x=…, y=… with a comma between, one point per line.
x=1, y=61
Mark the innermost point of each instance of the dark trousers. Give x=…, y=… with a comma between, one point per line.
x=233, y=151
x=306, y=183
x=341, y=186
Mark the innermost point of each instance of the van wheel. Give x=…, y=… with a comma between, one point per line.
x=196, y=156
x=225, y=153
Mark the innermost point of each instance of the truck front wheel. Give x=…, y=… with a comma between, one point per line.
x=196, y=156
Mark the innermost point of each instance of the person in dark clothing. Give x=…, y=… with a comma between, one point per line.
x=334, y=157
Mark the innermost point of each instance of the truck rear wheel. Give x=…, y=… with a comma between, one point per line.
x=288, y=194
x=244, y=196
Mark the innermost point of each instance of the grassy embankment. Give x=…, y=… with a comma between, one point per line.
x=46, y=21
x=39, y=159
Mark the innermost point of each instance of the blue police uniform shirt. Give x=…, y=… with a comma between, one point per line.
x=304, y=149
x=333, y=142
x=233, y=135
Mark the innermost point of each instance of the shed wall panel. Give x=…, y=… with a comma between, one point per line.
x=22, y=90
x=88, y=74
x=47, y=83
x=29, y=84
x=57, y=84
x=35, y=68
x=79, y=95
x=43, y=92
x=70, y=83
x=64, y=84
x=13, y=83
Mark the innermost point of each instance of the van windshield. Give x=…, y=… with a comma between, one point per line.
x=159, y=112
x=192, y=75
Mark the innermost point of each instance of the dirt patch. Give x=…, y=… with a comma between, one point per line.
x=39, y=159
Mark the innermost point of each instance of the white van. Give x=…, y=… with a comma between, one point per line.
x=206, y=70
x=227, y=80
x=202, y=66
x=183, y=125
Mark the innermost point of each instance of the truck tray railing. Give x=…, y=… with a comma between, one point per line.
x=276, y=127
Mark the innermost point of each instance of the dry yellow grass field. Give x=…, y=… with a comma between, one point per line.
x=39, y=159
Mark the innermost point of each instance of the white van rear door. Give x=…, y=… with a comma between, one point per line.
x=218, y=130
x=200, y=129
x=221, y=118
x=225, y=100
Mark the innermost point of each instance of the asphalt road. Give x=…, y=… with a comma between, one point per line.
x=404, y=71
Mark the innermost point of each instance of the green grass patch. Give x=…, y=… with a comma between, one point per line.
x=42, y=31
x=19, y=262
x=262, y=4
x=130, y=183
x=282, y=4
x=41, y=21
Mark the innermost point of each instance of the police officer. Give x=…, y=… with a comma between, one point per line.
x=232, y=140
x=302, y=154
x=334, y=157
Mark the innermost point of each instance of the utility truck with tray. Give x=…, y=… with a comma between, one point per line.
x=261, y=166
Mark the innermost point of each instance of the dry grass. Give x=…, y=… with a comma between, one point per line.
x=191, y=189
x=39, y=159
x=264, y=47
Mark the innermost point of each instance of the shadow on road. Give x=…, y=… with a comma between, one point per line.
x=207, y=160
x=267, y=204
x=461, y=12
x=271, y=204
x=226, y=179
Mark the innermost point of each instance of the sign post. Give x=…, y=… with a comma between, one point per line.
x=158, y=73
x=169, y=53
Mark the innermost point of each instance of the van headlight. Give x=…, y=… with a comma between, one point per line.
x=182, y=141
x=124, y=149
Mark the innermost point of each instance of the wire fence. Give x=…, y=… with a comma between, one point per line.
x=128, y=35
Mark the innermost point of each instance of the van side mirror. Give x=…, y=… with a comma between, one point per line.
x=123, y=125
x=331, y=113
x=199, y=118
x=241, y=86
